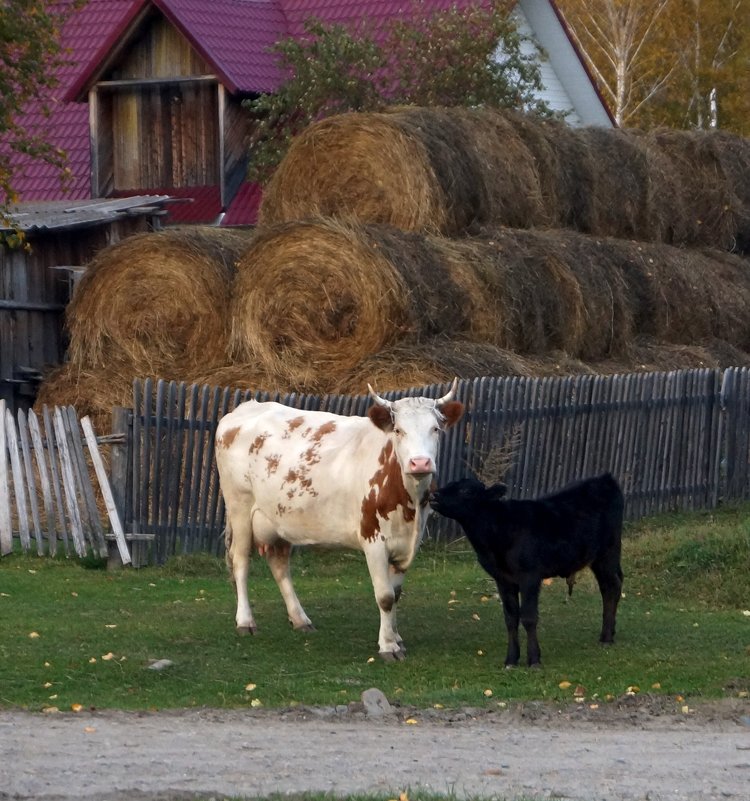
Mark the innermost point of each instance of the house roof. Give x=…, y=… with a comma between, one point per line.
x=232, y=36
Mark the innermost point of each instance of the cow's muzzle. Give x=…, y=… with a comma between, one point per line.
x=420, y=466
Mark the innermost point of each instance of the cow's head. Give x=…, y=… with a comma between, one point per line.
x=415, y=425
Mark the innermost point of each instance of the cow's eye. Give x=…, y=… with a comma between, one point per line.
x=398, y=432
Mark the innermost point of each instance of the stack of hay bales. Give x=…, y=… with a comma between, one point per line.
x=406, y=247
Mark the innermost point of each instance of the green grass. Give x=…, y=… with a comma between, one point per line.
x=681, y=629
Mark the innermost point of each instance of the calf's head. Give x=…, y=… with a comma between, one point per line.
x=415, y=425
x=460, y=498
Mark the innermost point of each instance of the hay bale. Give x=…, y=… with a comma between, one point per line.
x=314, y=295
x=157, y=301
x=454, y=171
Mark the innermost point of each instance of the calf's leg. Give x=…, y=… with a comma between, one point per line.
x=530, y=618
x=509, y=596
x=609, y=576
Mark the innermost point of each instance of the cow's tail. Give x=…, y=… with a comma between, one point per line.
x=228, y=548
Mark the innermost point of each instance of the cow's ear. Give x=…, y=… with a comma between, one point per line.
x=452, y=412
x=496, y=491
x=381, y=417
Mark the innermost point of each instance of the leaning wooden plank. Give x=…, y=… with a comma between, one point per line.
x=6, y=529
x=70, y=417
x=53, y=452
x=18, y=482
x=109, y=501
x=69, y=483
x=28, y=466
x=44, y=480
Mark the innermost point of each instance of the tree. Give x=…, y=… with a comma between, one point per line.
x=30, y=54
x=620, y=40
x=471, y=57
x=713, y=87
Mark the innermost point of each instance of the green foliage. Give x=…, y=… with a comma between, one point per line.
x=30, y=54
x=77, y=636
x=447, y=58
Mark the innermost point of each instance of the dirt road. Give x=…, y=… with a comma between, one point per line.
x=634, y=750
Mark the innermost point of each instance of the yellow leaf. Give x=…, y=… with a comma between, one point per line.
x=89, y=729
x=480, y=652
x=110, y=625
x=256, y=702
x=33, y=635
x=438, y=706
x=475, y=616
x=547, y=582
x=47, y=684
x=563, y=685
x=250, y=687
x=47, y=664
x=656, y=685
x=488, y=693
x=50, y=710
x=76, y=707
x=403, y=797
x=411, y=721
x=633, y=689
x=74, y=594
x=92, y=660
x=52, y=697
x=593, y=706
x=107, y=657
x=370, y=660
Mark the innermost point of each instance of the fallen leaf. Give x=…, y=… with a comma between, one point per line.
x=49, y=710
x=593, y=706
x=438, y=706
x=74, y=594
x=563, y=685
x=633, y=689
x=492, y=772
x=488, y=693
x=547, y=582
x=256, y=702
x=110, y=625
x=475, y=616
x=685, y=709
x=52, y=697
x=33, y=635
x=746, y=612
x=250, y=687
x=411, y=721
x=480, y=652
x=107, y=657
x=92, y=660
x=47, y=664
x=370, y=660
x=579, y=691
x=656, y=685
x=89, y=729
x=47, y=684
x=76, y=707
x=32, y=572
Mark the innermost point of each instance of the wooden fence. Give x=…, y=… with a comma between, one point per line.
x=47, y=487
x=675, y=441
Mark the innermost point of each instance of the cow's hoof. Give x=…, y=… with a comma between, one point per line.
x=305, y=627
x=243, y=631
x=511, y=666
x=392, y=656
x=535, y=666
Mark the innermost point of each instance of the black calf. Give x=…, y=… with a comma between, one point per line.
x=519, y=543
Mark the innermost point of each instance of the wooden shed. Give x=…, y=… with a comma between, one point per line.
x=36, y=282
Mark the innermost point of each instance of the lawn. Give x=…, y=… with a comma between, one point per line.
x=73, y=633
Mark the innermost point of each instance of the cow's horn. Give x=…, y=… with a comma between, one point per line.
x=378, y=399
x=451, y=393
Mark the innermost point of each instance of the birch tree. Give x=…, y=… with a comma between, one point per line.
x=621, y=42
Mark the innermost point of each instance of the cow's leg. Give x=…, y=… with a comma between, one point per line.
x=530, y=617
x=389, y=646
x=277, y=557
x=397, y=580
x=609, y=577
x=239, y=539
x=509, y=596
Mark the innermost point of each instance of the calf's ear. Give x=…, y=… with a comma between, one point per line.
x=496, y=491
x=451, y=412
x=381, y=417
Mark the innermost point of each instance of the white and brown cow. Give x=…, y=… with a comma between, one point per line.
x=292, y=477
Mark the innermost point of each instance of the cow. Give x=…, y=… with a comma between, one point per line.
x=291, y=477
x=521, y=542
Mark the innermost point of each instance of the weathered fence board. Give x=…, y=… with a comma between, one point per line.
x=46, y=485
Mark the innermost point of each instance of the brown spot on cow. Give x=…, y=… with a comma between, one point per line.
x=292, y=426
x=387, y=493
x=272, y=463
x=229, y=436
x=258, y=443
x=324, y=430
x=281, y=510
x=291, y=476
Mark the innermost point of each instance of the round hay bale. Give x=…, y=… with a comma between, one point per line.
x=365, y=166
x=314, y=295
x=733, y=153
x=158, y=301
x=250, y=377
x=701, y=192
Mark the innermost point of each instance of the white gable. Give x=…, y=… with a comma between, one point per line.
x=568, y=87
